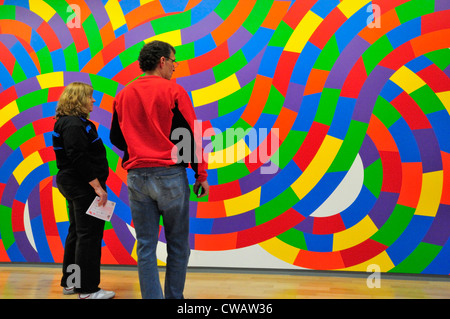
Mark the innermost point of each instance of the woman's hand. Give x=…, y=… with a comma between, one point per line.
x=99, y=191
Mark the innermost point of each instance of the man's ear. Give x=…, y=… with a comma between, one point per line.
x=162, y=60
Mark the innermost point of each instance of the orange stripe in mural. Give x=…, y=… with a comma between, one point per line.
x=276, y=13
x=411, y=184
x=257, y=101
x=233, y=22
x=319, y=260
x=215, y=242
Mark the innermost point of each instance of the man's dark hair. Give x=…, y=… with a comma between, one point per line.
x=152, y=52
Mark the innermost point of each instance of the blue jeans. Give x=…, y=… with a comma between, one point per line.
x=154, y=192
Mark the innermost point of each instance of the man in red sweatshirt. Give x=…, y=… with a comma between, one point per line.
x=146, y=115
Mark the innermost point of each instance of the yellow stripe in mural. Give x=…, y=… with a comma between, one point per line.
x=318, y=166
x=134, y=251
x=172, y=37
x=216, y=91
x=303, y=32
x=280, y=249
x=115, y=14
x=243, y=203
x=430, y=194
x=354, y=235
x=445, y=99
x=42, y=9
x=27, y=166
x=50, y=80
x=8, y=112
x=59, y=206
x=230, y=155
x=350, y=7
x=407, y=80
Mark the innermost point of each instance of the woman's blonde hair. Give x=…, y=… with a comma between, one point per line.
x=74, y=100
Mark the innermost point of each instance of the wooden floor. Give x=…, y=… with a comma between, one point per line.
x=42, y=282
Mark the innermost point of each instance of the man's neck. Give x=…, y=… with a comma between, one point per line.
x=154, y=72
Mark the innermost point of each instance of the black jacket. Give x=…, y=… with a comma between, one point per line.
x=80, y=153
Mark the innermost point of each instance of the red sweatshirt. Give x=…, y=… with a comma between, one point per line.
x=145, y=113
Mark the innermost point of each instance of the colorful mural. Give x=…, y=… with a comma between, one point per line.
x=346, y=104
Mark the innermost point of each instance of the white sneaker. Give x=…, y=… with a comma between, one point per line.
x=101, y=294
x=69, y=290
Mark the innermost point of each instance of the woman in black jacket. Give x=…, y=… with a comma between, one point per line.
x=83, y=170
